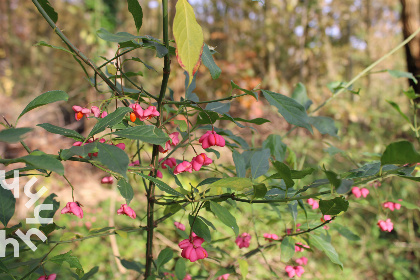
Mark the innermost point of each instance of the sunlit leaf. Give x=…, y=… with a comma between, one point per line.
x=188, y=37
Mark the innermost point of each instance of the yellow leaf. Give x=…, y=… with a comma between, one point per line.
x=121, y=233
x=243, y=267
x=188, y=37
x=111, y=69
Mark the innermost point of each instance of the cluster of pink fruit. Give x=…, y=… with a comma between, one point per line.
x=76, y=209
x=193, y=251
x=79, y=112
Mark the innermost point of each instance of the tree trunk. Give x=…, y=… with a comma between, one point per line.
x=410, y=17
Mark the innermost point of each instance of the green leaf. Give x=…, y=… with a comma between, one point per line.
x=333, y=178
x=292, y=209
x=161, y=50
x=207, y=117
x=410, y=93
x=239, y=162
x=397, y=108
x=258, y=121
x=407, y=204
x=218, y=107
x=369, y=169
x=344, y=231
x=67, y=257
x=401, y=74
x=82, y=151
x=293, y=112
x=324, y=125
x=287, y=248
x=100, y=230
x=333, y=206
x=56, y=205
x=3, y=268
x=327, y=248
x=48, y=228
x=119, y=37
x=42, y=161
x=412, y=178
x=89, y=274
x=188, y=37
x=277, y=147
x=225, y=216
x=161, y=185
x=299, y=174
x=200, y=228
x=12, y=135
x=299, y=94
x=208, y=181
x=402, y=152
x=164, y=256
x=284, y=173
x=45, y=44
x=125, y=190
x=45, y=98
x=182, y=125
x=7, y=205
x=109, y=121
x=345, y=186
x=132, y=265
x=141, y=61
x=146, y=133
x=49, y=10
x=260, y=190
x=234, y=183
x=259, y=163
x=208, y=61
x=62, y=131
x=135, y=9
x=180, y=268
x=248, y=92
x=113, y=158
x=243, y=267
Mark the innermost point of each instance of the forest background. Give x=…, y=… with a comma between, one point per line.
x=272, y=46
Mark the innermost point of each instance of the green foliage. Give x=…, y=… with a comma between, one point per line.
x=109, y=121
x=208, y=61
x=12, y=135
x=113, y=158
x=62, y=131
x=333, y=206
x=146, y=133
x=218, y=196
x=259, y=163
x=44, y=99
x=224, y=216
x=126, y=190
x=161, y=185
x=287, y=249
x=7, y=205
x=292, y=111
x=402, y=152
x=199, y=227
x=326, y=247
x=164, y=256
x=137, y=13
x=70, y=259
